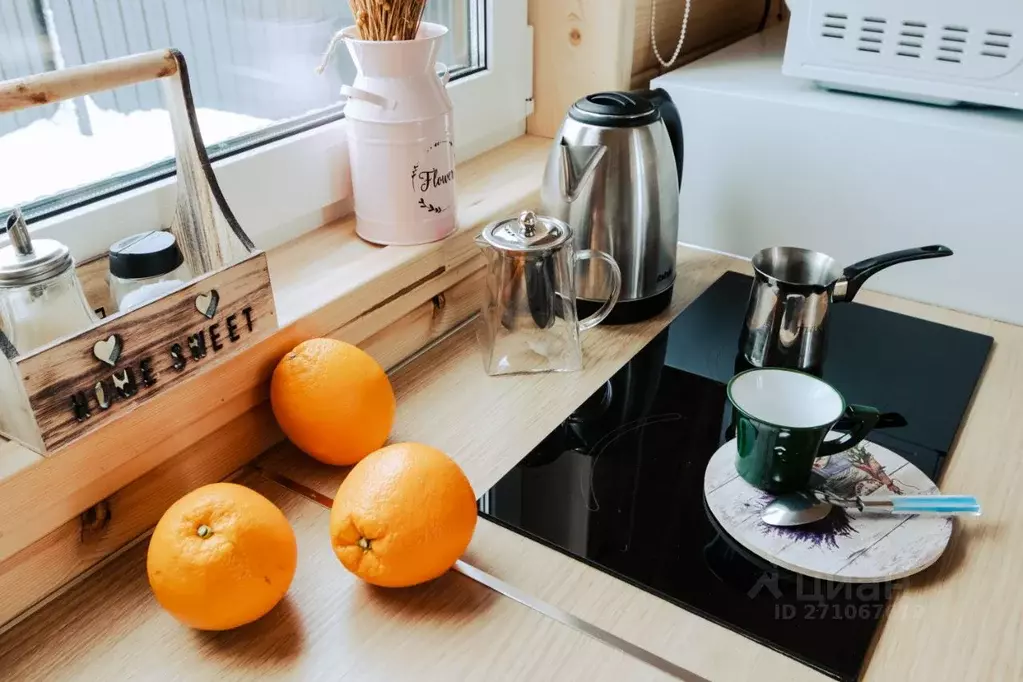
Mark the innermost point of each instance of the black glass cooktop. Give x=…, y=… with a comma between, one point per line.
x=619, y=484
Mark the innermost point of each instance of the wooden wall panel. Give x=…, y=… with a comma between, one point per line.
x=579, y=47
x=713, y=24
x=585, y=46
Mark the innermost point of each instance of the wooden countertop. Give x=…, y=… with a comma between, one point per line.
x=958, y=620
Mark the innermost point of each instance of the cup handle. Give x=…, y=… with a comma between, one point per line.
x=616, y=287
x=445, y=73
x=348, y=92
x=861, y=420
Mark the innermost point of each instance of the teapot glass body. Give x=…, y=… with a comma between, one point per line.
x=529, y=321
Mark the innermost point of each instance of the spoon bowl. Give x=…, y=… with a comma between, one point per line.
x=795, y=509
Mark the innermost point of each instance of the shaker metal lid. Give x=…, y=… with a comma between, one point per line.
x=528, y=232
x=25, y=261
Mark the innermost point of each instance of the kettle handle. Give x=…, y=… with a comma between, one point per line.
x=616, y=287
x=672, y=121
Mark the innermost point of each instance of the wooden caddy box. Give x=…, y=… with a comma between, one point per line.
x=79, y=383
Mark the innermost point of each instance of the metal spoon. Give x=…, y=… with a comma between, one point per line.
x=797, y=509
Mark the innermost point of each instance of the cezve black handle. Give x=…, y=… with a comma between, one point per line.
x=856, y=274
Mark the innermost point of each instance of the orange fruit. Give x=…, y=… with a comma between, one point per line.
x=332, y=400
x=221, y=556
x=402, y=516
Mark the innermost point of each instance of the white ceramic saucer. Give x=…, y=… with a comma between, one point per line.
x=847, y=546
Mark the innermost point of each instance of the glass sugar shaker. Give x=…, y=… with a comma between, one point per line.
x=41, y=299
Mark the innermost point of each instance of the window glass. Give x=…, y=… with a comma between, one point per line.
x=252, y=69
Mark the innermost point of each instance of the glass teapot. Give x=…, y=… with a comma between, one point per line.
x=529, y=321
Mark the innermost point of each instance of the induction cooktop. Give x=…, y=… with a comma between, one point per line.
x=619, y=484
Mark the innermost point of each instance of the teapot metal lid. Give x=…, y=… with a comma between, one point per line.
x=526, y=233
x=26, y=261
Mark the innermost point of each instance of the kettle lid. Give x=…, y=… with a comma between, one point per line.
x=615, y=110
x=527, y=232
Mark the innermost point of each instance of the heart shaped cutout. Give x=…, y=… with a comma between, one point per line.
x=207, y=303
x=108, y=350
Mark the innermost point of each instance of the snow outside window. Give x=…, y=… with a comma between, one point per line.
x=94, y=169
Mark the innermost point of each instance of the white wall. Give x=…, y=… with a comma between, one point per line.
x=773, y=160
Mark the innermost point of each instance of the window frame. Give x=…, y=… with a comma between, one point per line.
x=283, y=188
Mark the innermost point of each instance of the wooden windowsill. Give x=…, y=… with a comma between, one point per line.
x=320, y=268
x=326, y=283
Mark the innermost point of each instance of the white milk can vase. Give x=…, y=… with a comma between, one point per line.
x=400, y=139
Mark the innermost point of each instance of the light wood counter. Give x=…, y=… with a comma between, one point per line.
x=959, y=620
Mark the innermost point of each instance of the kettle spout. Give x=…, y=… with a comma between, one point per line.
x=578, y=164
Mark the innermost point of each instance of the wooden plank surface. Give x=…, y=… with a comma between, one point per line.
x=330, y=626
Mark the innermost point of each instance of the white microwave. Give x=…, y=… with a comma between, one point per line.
x=937, y=51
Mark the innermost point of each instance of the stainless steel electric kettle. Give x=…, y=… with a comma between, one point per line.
x=614, y=176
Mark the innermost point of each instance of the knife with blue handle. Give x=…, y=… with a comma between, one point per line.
x=944, y=505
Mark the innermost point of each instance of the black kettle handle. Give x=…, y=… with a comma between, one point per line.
x=672, y=121
x=856, y=274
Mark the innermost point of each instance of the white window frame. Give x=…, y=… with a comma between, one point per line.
x=283, y=189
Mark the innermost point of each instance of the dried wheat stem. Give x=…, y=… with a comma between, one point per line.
x=387, y=19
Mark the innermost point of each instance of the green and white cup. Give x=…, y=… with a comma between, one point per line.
x=782, y=419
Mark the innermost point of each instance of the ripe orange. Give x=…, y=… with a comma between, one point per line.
x=332, y=400
x=221, y=556
x=402, y=516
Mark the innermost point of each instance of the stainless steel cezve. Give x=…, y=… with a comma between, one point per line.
x=793, y=289
x=613, y=175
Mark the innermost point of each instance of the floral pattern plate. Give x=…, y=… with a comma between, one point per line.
x=847, y=546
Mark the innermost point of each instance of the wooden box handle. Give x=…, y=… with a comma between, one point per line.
x=55, y=86
x=207, y=242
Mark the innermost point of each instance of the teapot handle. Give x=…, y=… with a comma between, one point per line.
x=445, y=73
x=616, y=287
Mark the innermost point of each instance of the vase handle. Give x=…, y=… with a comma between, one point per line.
x=445, y=74
x=348, y=92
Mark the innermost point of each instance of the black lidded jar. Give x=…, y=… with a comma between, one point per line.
x=144, y=267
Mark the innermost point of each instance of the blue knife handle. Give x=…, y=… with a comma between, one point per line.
x=936, y=504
